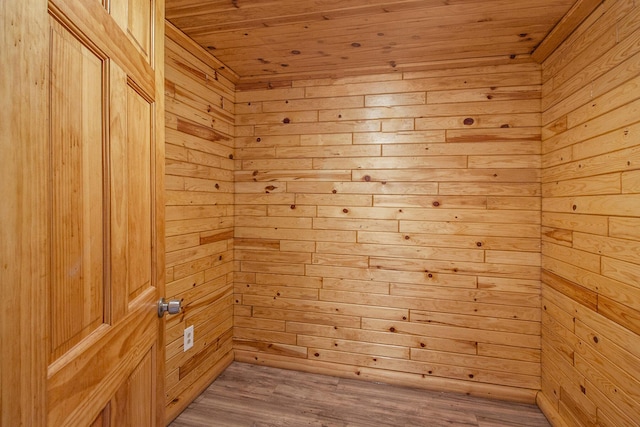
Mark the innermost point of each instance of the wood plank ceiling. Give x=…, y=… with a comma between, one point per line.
x=275, y=40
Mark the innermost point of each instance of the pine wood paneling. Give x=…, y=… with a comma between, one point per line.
x=414, y=208
x=591, y=299
x=199, y=229
x=275, y=43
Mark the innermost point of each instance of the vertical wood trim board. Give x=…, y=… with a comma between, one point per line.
x=590, y=222
x=388, y=228
x=24, y=168
x=199, y=120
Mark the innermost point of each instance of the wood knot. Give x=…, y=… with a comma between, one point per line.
x=367, y=178
x=345, y=210
x=286, y=120
x=436, y=203
x=468, y=121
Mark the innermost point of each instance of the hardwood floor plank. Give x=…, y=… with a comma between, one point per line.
x=248, y=395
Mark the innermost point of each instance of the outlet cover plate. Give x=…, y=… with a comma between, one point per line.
x=188, y=338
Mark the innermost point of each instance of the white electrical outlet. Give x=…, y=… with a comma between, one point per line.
x=188, y=338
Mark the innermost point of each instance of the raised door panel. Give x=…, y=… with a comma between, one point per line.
x=135, y=18
x=77, y=144
x=139, y=155
x=132, y=159
x=134, y=403
x=140, y=24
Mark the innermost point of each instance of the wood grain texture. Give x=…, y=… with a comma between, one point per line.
x=78, y=192
x=106, y=215
x=590, y=334
x=24, y=173
x=274, y=43
x=251, y=395
x=413, y=207
x=200, y=219
x=570, y=21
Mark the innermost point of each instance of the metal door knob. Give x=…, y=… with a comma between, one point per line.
x=171, y=307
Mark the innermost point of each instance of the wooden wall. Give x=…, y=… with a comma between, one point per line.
x=199, y=214
x=591, y=223
x=388, y=228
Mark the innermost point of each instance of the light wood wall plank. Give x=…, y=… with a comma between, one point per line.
x=590, y=338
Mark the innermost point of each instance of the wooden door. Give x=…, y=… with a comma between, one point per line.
x=87, y=186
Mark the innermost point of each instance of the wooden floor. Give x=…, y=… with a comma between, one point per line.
x=257, y=396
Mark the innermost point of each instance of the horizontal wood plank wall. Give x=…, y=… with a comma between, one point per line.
x=591, y=222
x=388, y=228
x=199, y=227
